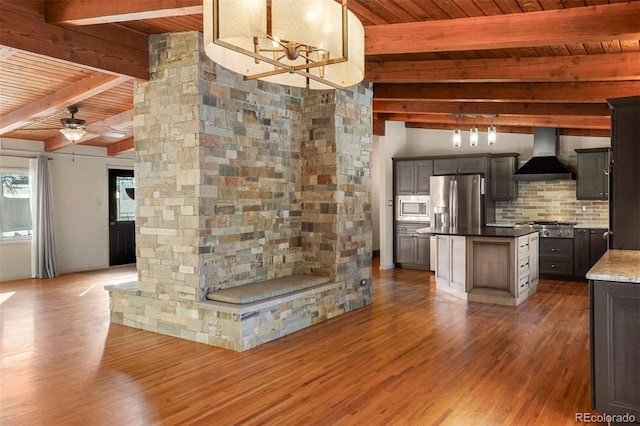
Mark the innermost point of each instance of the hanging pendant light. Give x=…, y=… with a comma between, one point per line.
x=473, y=136
x=457, y=138
x=491, y=135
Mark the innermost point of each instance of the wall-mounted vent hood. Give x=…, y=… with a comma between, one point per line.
x=545, y=164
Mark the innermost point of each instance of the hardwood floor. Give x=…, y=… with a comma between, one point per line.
x=414, y=357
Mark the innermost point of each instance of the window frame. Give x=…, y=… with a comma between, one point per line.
x=21, y=172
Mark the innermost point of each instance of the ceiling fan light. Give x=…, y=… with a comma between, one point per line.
x=492, y=135
x=73, y=135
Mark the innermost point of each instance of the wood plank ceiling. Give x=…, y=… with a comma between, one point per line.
x=530, y=62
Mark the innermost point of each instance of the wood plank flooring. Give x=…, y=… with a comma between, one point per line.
x=416, y=356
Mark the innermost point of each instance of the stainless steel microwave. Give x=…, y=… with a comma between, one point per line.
x=412, y=208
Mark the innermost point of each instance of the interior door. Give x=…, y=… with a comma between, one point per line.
x=122, y=213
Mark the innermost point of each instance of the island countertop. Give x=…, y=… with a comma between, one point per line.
x=617, y=265
x=479, y=232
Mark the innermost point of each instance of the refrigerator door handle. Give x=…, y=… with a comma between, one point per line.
x=454, y=199
x=451, y=189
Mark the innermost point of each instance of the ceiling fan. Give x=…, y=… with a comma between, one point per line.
x=72, y=128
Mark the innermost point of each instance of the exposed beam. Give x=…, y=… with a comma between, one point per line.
x=505, y=120
x=92, y=12
x=618, y=21
x=427, y=107
x=602, y=133
x=596, y=92
x=379, y=127
x=609, y=67
x=120, y=147
x=116, y=122
x=72, y=94
x=30, y=33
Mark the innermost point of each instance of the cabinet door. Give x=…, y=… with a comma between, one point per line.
x=503, y=186
x=421, y=250
x=615, y=333
x=597, y=245
x=592, y=183
x=458, y=258
x=423, y=172
x=472, y=165
x=581, y=262
x=404, y=248
x=443, y=268
x=445, y=166
x=404, y=177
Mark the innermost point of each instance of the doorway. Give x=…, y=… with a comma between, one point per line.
x=122, y=214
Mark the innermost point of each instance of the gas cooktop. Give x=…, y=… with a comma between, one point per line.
x=550, y=228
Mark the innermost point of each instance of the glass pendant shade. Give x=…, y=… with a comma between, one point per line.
x=73, y=135
x=457, y=138
x=473, y=136
x=314, y=43
x=491, y=135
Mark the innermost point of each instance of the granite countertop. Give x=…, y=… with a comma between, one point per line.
x=479, y=232
x=592, y=225
x=617, y=265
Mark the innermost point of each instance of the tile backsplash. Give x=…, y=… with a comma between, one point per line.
x=552, y=200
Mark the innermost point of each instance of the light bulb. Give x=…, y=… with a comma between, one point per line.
x=492, y=136
x=457, y=138
x=473, y=136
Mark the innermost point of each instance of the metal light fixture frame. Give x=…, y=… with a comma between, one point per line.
x=474, y=130
x=72, y=128
x=287, y=49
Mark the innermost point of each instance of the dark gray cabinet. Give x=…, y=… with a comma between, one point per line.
x=411, y=177
x=615, y=339
x=411, y=248
x=460, y=165
x=502, y=185
x=624, y=194
x=556, y=256
x=593, y=174
x=589, y=244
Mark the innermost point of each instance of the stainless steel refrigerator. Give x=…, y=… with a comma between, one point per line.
x=456, y=201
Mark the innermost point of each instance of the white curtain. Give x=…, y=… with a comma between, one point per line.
x=43, y=243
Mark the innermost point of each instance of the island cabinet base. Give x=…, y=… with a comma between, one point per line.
x=502, y=271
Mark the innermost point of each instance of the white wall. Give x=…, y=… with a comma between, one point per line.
x=79, y=176
x=389, y=146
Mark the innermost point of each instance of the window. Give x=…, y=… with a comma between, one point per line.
x=15, y=205
x=125, y=205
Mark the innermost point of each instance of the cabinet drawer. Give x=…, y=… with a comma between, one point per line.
x=409, y=228
x=556, y=247
x=523, y=267
x=523, y=245
x=553, y=266
x=523, y=284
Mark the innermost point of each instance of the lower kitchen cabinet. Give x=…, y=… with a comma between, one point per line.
x=589, y=244
x=411, y=248
x=615, y=339
x=451, y=264
x=556, y=256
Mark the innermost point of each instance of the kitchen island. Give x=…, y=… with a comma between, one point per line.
x=488, y=265
x=614, y=302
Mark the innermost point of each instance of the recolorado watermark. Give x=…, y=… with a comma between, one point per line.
x=604, y=418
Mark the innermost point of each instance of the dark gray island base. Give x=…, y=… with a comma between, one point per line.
x=488, y=265
x=614, y=302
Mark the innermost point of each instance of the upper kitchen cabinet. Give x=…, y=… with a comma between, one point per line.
x=411, y=177
x=502, y=185
x=624, y=196
x=460, y=166
x=593, y=174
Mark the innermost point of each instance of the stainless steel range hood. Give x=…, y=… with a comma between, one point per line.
x=545, y=164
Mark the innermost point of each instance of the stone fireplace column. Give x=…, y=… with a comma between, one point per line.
x=242, y=181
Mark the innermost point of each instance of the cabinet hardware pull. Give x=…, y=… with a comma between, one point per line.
x=554, y=266
x=606, y=172
x=605, y=235
x=555, y=250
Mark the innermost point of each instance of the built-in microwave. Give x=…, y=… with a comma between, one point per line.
x=412, y=208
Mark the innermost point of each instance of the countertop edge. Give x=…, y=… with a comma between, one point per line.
x=617, y=266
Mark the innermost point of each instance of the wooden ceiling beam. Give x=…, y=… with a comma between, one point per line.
x=30, y=33
x=120, y=147
x=609, y=67
x=618, y=21
x=92, y=12
x=72, y=94
x=116, y=122
x=426, y=107
x=577, y=92
x=505, y=120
